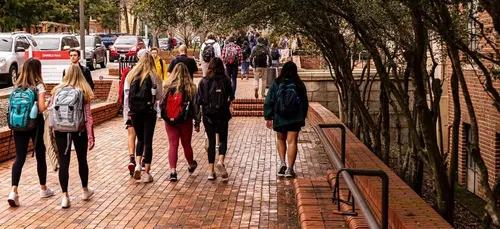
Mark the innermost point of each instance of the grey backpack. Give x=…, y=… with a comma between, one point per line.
x=67, y=114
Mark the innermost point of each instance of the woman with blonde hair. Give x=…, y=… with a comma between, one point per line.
x=179, y=109
x=31, y=77
x=71, y=121
x=143, y=92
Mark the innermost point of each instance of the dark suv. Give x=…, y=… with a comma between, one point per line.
x=95, y=52
x=126, y=45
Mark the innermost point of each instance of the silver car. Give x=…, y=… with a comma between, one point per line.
x=12, y=48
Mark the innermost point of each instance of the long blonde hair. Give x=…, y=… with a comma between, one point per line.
x=31, y=75
x=144, y=68
x=180, y=76
x=74, y=77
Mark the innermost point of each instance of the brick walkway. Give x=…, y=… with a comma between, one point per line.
x=253, y=197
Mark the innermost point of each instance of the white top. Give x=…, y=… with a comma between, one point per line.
x=218, y=52
x=41, y=88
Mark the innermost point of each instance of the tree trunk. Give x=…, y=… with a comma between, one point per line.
x=452, y=171
x=384, y=112
x=134, y=26
x=125, y=10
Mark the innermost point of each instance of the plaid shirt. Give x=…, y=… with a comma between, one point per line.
x=238, y=49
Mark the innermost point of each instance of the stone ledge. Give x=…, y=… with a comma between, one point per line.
x=314, y=206
x=402, y=199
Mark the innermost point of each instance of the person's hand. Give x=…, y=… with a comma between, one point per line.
x=91, y=144
x=269, y=124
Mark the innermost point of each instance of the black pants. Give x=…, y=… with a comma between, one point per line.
x=144, y=126
x=220, y=128
x=22, y=140
x=63, y=142
x=232, y=72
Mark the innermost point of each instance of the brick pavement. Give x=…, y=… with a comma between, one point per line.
x=254, y=197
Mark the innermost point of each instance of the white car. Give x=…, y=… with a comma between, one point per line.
x=57, y=42
x=12, y=48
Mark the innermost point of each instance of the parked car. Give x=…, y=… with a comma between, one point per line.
x=108, y=39
x=12, y=48
x=95, y=52
x=126, y=45
x=56, y=42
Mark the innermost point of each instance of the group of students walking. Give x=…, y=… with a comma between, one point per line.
x=181, y=104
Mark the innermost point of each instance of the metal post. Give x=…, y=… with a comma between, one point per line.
x=342, y=140
x=82, y=30
x=371, y=220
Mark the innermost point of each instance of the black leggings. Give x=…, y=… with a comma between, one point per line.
x=22, y=140
x=212, y=129
x=80, y=140
x=144, y=126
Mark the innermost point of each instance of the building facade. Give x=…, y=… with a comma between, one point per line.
x=488, y=117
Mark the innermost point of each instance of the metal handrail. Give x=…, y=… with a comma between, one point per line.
x=339, y=164
x=385, y=189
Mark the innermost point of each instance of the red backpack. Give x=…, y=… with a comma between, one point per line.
x=174, y=107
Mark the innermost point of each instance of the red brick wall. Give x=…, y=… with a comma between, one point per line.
x=312, y=62
x=101, y=88
x=406, y=208
x=488, y=117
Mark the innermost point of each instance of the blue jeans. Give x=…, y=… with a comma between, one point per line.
x=232, y=72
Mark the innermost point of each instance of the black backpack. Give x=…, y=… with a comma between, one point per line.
x=287, y=101
x=216, y=98
x=275, y=55
x=208, y=52
x=140, y=98
x=246, y=52
x=261, y=56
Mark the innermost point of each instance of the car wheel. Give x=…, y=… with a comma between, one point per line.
x=103, y=64
x=12, y=75
x=93, y=66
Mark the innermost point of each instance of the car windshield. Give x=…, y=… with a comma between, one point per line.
x=5, y=44
x=89, y=41
x=48, y=43
x=107, y=37
x=126, y=41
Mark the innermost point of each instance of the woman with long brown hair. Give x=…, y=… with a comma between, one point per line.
x=181, y=112
x=82, y=138
x=215, y=95
x=31, y=77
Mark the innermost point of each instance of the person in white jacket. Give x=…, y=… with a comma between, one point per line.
x=216, y=52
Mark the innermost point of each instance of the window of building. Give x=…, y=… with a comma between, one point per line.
x=472, y=26
x=472, y=169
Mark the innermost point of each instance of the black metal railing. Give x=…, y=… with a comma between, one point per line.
x=354, y=196
x=124, y=62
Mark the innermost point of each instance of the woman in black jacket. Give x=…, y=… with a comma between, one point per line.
x=215, y=96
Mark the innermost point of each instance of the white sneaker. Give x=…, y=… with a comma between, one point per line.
x=65, y=203
x=46, y=193
x=137, y=172
x=147, y=178
x=87, y=194
x=13, y=199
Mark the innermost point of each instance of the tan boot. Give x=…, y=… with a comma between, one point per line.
x=256, y=93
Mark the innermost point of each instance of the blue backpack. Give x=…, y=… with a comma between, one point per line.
x=23, y=109
x=287, y=102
